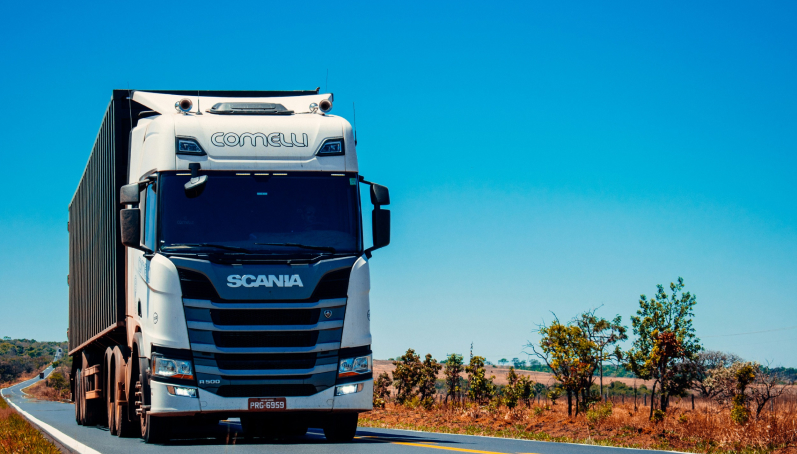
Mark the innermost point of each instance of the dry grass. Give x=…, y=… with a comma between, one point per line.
x=707, y=429
x=18, y=436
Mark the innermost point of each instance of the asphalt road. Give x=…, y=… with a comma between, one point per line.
x=59, y=421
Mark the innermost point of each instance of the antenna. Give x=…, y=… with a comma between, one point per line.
x=355, y=123
x=198, y=109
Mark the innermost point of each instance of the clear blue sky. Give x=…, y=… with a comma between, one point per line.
x=541, y=157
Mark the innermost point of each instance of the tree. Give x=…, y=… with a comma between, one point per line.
x=406, y=376
x=480, y=388
x=381, y=390
x=665, y=341
x=767, y=386
x=603, y=334
x=703, y=364
x=502, y=361
x=568, y=353
x=511, y=393
x=428, y=376
x=452, y=372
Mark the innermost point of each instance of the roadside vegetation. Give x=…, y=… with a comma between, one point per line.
x=56, y=386
x=25, y=357
x=688, y=399
x=18, y=436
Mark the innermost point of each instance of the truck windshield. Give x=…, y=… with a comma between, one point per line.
x=285, y=213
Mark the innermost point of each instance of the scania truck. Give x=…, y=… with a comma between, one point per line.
x=217, y=267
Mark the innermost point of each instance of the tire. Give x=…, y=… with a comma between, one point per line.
x=124, y=426
x=77, y=399
x=341, y=428
x=109, y=382
x=155, y=430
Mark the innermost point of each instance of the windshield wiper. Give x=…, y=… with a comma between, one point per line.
x=303, y=246
x=217, y=246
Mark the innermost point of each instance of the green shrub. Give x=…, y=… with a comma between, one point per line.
x=658, y=416
x=598, y=413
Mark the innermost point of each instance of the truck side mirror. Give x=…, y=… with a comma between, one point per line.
x=380, y=219
x=379, y=195
x=129, y=194
x=130, y=224
x=381, y=228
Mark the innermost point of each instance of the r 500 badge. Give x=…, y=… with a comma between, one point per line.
x=267, y=404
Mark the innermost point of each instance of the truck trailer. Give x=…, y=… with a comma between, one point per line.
x=217, y=267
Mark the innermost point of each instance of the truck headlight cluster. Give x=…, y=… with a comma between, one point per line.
x=172, y=368
x=351, y=367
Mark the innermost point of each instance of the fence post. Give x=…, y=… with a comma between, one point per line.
x=646, y=400
x=693, y=401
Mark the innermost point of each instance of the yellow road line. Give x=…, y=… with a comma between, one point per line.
x=447, y=448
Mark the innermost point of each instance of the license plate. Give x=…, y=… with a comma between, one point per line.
x=267, y=404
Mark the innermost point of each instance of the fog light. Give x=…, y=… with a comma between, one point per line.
x=342, y=390
x=181, y=391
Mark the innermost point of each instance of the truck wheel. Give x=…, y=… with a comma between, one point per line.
x=109, y=383
x=77, y=393
x=124, y=426
x=156, y=430
x=341, y=428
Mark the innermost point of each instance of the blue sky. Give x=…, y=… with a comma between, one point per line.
x=541, y=156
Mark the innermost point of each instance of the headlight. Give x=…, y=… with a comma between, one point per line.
x=189, y=146
x=331, y=148
x=172, y=368
x=351, y=367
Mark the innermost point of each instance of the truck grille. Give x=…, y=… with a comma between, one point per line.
x=265, y=339
x=265, y=316
x=259, y=348
x=265, y=361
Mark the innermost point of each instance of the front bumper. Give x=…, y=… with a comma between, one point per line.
x=165, y=404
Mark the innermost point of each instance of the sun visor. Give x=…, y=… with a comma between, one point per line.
x=165, y=103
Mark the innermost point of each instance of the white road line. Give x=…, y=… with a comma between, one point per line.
x=63, y=438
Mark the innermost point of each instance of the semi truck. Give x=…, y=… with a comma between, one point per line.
x=217, y=266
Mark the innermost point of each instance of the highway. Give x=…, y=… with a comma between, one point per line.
x=58, y=420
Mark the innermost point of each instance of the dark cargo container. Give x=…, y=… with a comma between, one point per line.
x=96, y=254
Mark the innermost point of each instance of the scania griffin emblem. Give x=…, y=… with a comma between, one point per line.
x=327, y=313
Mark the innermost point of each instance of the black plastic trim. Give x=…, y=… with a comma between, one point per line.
x=172, y=353
x=354, y=352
